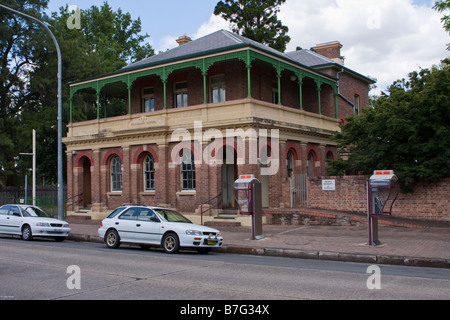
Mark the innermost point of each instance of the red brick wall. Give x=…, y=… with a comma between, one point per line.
x=349, y=86
x=428, y=201
x=350, y=194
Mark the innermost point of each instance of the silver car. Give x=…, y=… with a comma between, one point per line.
x=30, y=221
x=157, y=226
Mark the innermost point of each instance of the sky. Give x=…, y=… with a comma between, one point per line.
x=383, y=39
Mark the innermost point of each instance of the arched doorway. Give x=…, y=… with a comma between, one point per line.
x=229, y=173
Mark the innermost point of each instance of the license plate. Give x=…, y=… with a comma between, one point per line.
x=211, y=243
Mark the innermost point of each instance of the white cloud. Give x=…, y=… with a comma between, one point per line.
x=166, y=43
x=385, y=39
x=214, y=23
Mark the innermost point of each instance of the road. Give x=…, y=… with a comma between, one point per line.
x=48, y=270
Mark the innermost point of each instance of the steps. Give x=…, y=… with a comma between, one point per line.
x=77, y=219
x=86, y=210
x=82, y=215
x=225, y=218
x=227, y=214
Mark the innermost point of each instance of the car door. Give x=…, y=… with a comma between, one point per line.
x=13, y=221
x=148, y=227
x=125, y=224
x=3, y=215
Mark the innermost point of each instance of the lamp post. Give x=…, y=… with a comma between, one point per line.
x=60, y=164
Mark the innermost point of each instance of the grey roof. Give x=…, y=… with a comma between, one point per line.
x=224, y=40
x=309, y=58
x=216, y=41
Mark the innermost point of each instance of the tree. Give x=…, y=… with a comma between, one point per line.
x=21, y=43
x=256, y=20
x=407, y=130
x=441, y=6
x=107, y=41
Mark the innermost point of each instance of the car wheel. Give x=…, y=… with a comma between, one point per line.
x=60, y=239
x=112, y=239
x=26, y=233
x=171, y=243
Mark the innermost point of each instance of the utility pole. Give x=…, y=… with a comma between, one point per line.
x=60, y=162
x=34, y=167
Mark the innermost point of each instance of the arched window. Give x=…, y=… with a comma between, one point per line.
x=149, y=173
x=311, y=164
x=116, y=174
x=330, y=156
x=187, y=171
x=290, y=164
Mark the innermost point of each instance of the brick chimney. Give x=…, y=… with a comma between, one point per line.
x=331, y=50
x=183, y=39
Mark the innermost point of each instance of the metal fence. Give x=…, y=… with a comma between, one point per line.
x=299, y=190
x=46, y=197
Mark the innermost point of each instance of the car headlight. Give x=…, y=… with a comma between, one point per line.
x=42, y=224
x=193, y=232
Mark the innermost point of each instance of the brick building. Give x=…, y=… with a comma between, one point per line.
x=177, y=129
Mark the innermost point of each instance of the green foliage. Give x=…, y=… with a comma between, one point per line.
x=20, y=43
x=256, y=20
x=407, y=131
x=442, y=6
x=107, y=41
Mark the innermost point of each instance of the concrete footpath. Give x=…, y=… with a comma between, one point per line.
x=419, y=244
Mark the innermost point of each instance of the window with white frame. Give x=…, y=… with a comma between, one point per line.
x=180, y=95
x=187, y=171
x=149, y=173
x=148, y=100
x=116, y=174
x=217, y=85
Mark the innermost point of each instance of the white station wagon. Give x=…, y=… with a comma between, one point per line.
x=30, y=221
x=157, y=226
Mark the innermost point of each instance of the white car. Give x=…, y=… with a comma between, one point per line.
x=30, y=221
x=157, y=226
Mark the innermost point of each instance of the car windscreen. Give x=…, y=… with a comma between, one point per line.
x=34, y=212
x=172, y=216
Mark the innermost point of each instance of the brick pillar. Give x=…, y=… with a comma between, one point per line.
x=77, y=185
x=104, y=182
x=251, y=156
x=69, y=171
x=280, y=182
x=95, y=184
x=162, y=176
x=303, y=158
x=126, y=175
x=201, y=178
x=135, y=181
x=215, y=179
x=322, y=156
